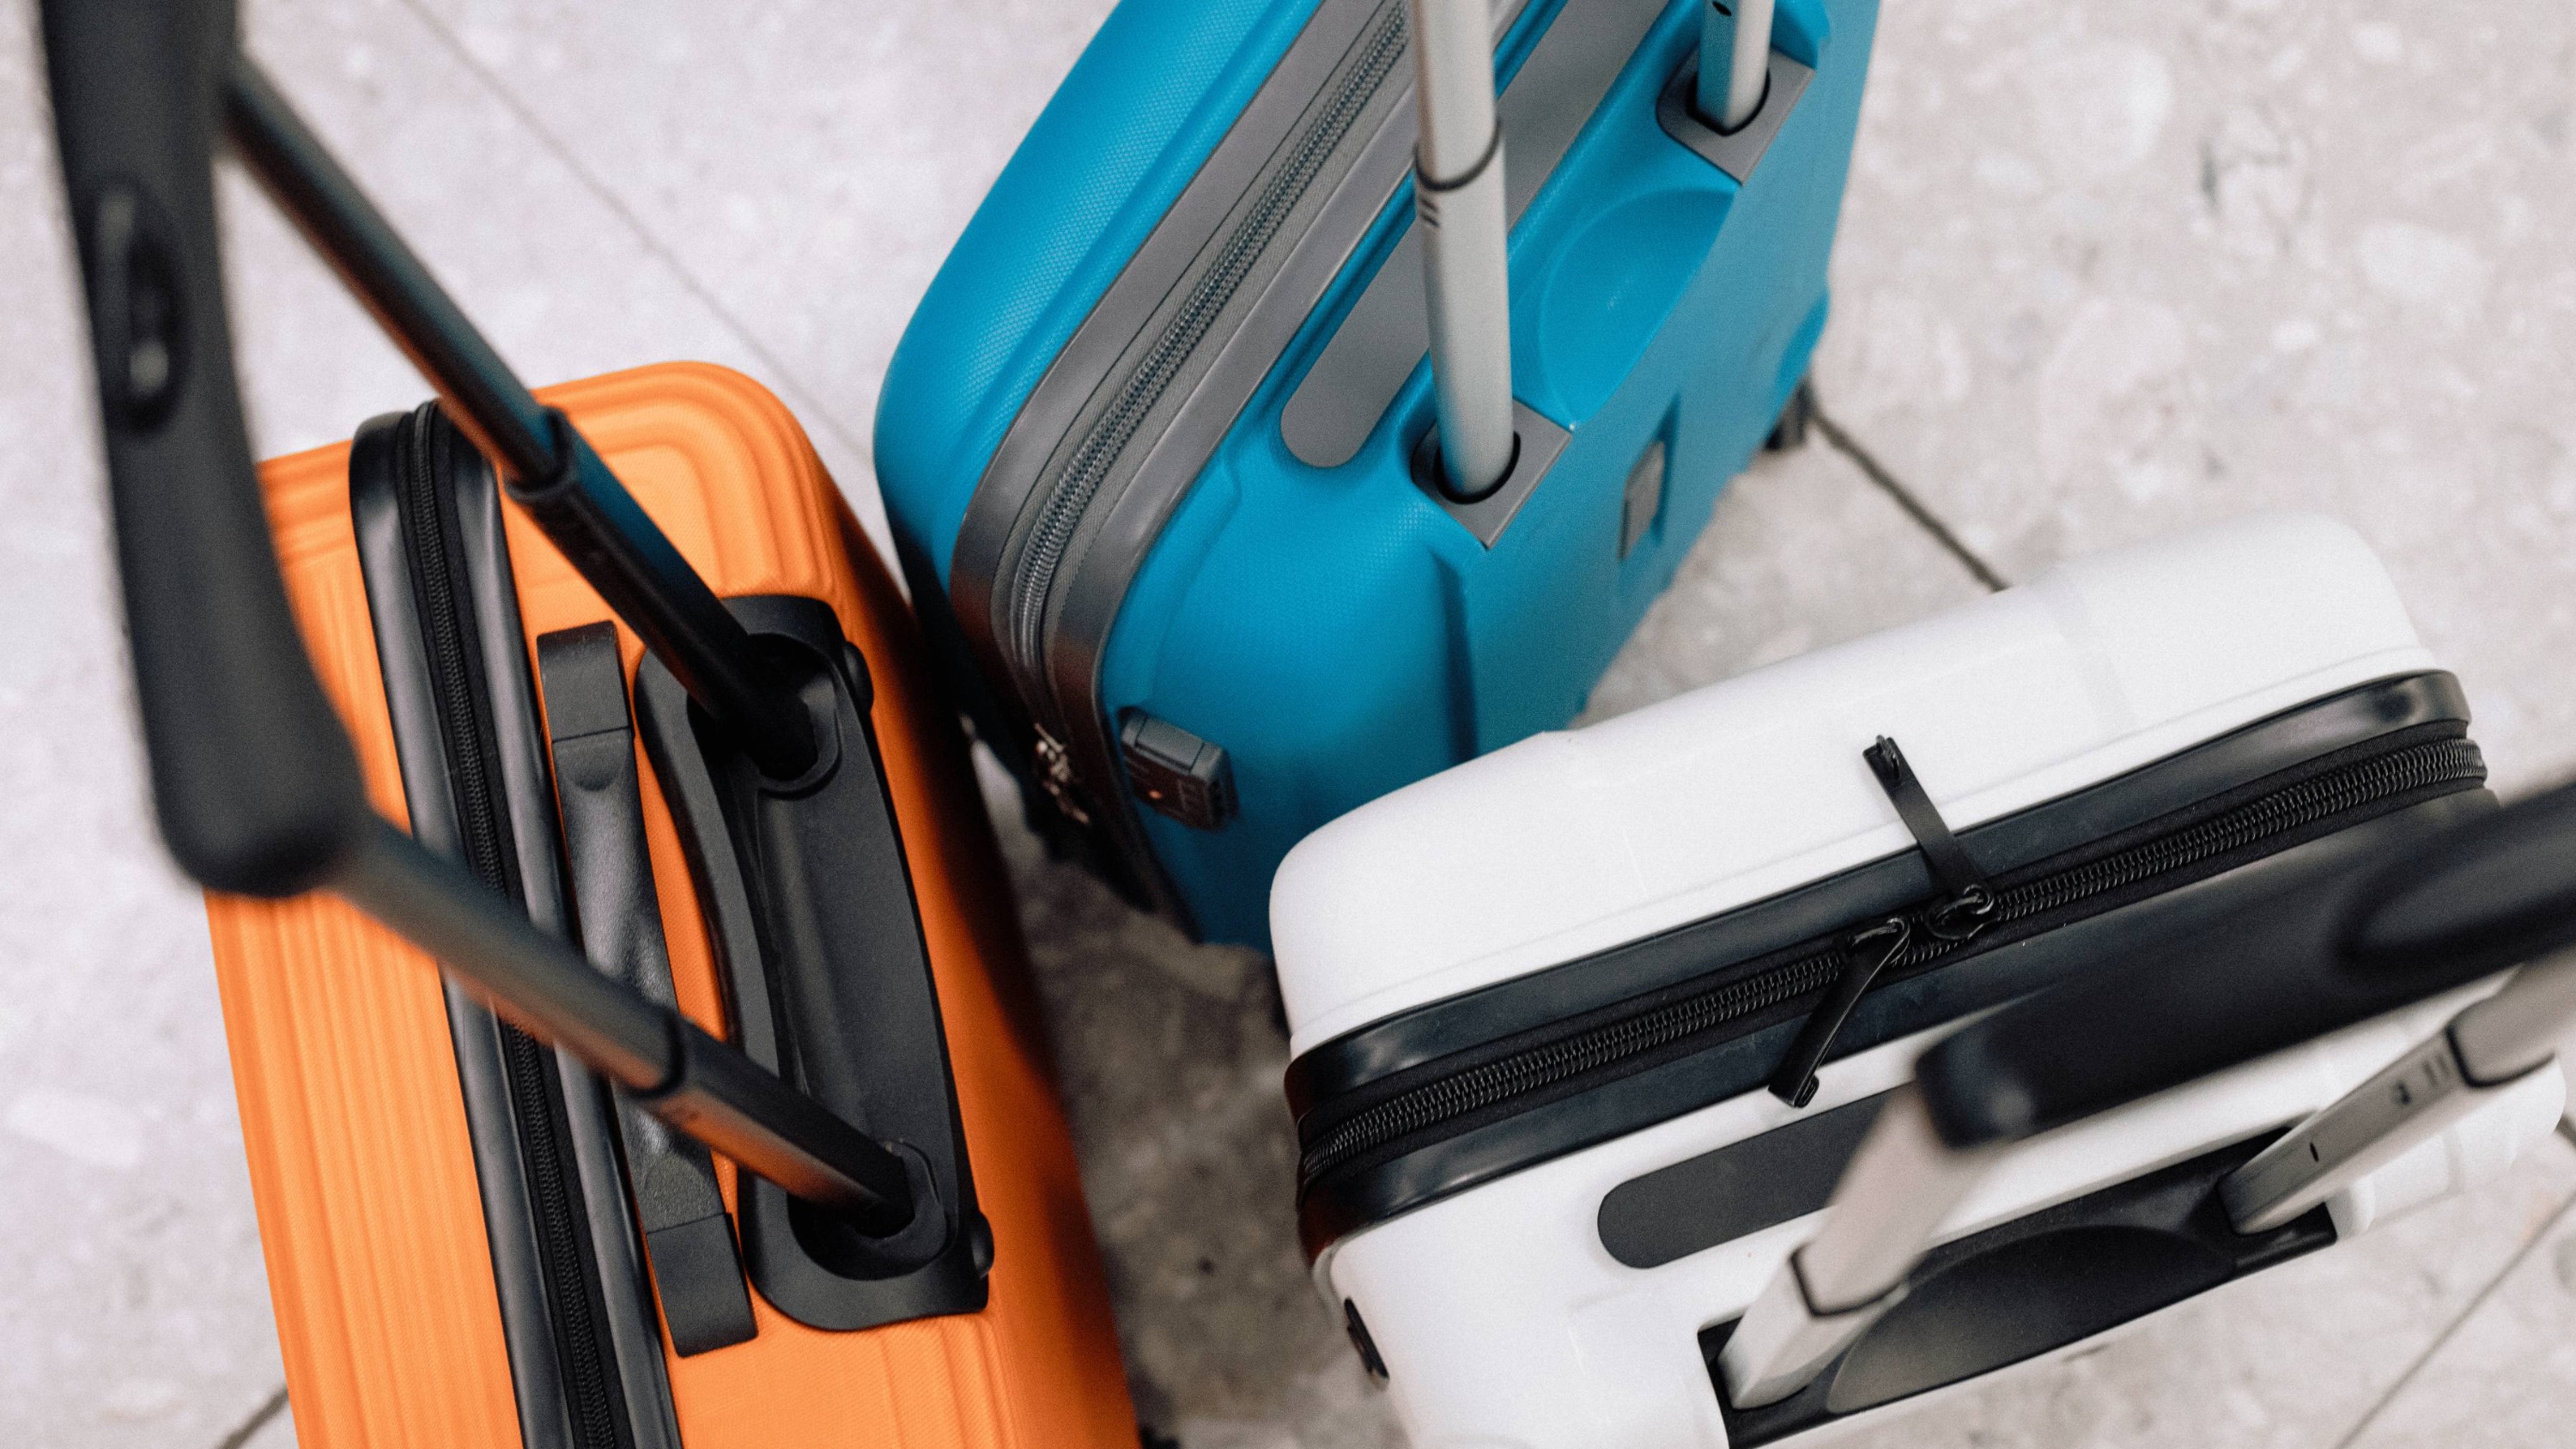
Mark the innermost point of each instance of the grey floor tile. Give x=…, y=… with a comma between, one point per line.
x=2107, y=269
x=556, y=274
x=266, y=1427
x=809, y=162
x=1801, y=552
x=1170, y=1057
x=2505, y=1377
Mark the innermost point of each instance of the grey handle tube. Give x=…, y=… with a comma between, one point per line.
x=1734, y=61
x=1458, y=204
x=2484, y=1049
x=1885, y=1211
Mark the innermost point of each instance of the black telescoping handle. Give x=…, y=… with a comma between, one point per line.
x=2410, y=921
x=2502, y=891
x=220, y=673
x=550, y=469
x=256, y=785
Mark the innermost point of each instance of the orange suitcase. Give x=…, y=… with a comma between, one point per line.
x=830, y=901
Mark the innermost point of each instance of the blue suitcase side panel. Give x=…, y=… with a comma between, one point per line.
x=1151, y=96
x=1339, y=634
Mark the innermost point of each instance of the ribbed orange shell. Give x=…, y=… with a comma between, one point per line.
x=349, y=1099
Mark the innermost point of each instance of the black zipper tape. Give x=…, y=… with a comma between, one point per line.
x=1374, y=1123
x=593, y=1399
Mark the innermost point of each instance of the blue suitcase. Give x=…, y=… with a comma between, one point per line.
x=1156, y=447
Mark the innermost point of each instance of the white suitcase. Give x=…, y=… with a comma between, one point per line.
x=1534, y=1000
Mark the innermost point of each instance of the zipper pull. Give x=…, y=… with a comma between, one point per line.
x=1966, y=908
x=1055, y=776
x=1866, y=954
x=1952, y=869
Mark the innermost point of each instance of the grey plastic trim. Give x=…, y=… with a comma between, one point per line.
x=1387, y=332
x=1738, y=151
x=1641, y=497
x=1122, y=524
x=1538, y=441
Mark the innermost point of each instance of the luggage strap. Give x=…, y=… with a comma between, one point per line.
x=697, y=1269
x=1952, y=869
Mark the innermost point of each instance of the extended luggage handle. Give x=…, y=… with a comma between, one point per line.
x=1734, y=61
x=2408, y=922
x=1466, y=233
x=1466, y=271
x=255, y=783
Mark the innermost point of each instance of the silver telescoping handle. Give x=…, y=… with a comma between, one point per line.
x=1458, y=201
x=1734, y=61
x=1886, y=1210
x=2481, y=1052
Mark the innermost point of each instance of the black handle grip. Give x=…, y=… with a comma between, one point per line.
x=2498, y=891
x=256, y=783
x=220, y=670
x=2409, y=920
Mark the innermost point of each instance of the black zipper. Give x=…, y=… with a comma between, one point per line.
x=1943, y=929
x=1060, y=514
x=465, y=731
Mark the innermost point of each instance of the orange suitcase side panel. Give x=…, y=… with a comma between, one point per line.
x=355, y=1125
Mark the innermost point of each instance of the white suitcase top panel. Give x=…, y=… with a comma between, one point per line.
x=1572, y=842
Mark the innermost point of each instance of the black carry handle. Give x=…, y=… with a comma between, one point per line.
x=257, y=788
x=2411, y=921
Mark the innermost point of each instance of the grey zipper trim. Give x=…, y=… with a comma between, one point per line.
x=1110, y=440
x=1376, y=55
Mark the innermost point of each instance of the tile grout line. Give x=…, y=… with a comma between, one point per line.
x=2452, y=1328
x=258, y=1420
x=1923, y=517
x=652, y=243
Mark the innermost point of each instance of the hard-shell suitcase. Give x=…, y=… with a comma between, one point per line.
x=1965, y=1235
x=470, y=1239
x=1157, y=447
x=1535, y=1000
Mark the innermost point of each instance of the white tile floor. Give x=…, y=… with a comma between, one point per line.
x=2105, y=270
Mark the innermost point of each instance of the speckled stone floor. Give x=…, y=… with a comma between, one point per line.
x=2104, y=270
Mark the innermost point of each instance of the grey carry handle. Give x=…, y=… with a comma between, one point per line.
x=254, y=781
